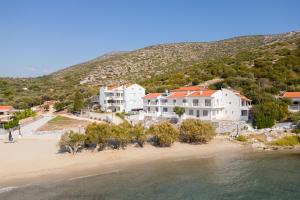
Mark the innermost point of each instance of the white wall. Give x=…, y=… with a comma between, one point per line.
x=133, y=97
x=232, y=104
x=101, y=98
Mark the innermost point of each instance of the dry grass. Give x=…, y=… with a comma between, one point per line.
x=258, y=137
x=62, y=123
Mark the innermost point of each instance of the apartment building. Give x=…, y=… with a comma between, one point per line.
x=200, y=103
x=295, y=100
x=124, y=98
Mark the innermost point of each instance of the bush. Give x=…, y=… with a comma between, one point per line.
x=97, y=135
x=296, y=130
x=241, y=138
x=138, y=134
x=294, y=117
x=58, y=106
x=286, y=141
x=71, y=141
x=11, y=124
x=121, y=135
x=165, y=134
x=266, y=114
x=121, y=115
x=196, y=131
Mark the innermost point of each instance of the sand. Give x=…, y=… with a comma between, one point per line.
x=36, y=158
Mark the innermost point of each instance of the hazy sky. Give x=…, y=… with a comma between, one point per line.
x=39, y=37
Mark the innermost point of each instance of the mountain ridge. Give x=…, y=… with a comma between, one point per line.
x=152, y=66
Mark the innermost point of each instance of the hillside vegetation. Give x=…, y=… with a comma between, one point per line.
x=259, y=66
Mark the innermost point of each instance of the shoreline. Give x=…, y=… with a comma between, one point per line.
x=33, y=158
x=36, y=160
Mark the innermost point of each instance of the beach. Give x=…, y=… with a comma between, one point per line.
x=36, y=158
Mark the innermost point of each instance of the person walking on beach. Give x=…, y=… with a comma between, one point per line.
x=10, y=138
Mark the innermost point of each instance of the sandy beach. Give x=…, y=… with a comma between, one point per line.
x=36, y=158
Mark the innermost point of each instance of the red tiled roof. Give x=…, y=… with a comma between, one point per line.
x=243, y=97
x=152, y=95
x=6, y=107
x=177, y=95
x=189, y=88
x=205, y=93
x=111, y=87
x=291, y=94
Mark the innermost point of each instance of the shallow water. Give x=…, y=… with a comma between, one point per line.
x=236, y=176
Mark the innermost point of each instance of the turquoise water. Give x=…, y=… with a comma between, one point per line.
x=235, y=176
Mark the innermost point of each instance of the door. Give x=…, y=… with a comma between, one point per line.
x=198, y=113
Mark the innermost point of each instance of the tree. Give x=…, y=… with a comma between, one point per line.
x=121, y=136
x=179, y=111
x=196, y=131
x=165, y=134
x=266, y=114
x=11, y=124
x=77, y=102
x=58, y=106
x=98, y=135
x=72, y=141
x=138, y=134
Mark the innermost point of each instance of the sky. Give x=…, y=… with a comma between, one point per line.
x=38, y=37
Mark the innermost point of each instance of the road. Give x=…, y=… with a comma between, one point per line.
x=29, y=129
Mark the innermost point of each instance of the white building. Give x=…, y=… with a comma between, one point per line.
x=295, y=100
x=122, y=98
x=201, y=103
x=6, y=114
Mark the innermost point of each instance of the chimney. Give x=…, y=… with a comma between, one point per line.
x=201, y=92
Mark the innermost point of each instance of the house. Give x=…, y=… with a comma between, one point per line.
x=6, y=114
x=200, y=103
x=295, y=100
x=124, y=98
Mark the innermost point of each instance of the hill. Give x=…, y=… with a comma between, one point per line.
x=267, y=63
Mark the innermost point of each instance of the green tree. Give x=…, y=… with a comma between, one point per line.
x=179, y=111
x=196, y=131
x=58, y=106
x=138, y=134
x=165, y=134
x=266, y=114
x=77, y=102
x=98, y=135
x=72, y=141
x=121, y=135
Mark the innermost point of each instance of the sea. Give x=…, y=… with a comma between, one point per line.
x=249, y=175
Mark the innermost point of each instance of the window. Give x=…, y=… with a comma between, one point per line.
x=148, y=101
x=156, y=109
x=184, y=101
x=174, y=101
x=165, y=109
x=148, y=108
x=207, y=102
x=191, y=112
x=164, y=101
x=195, y=102
x=205, y=112
x=244, y=113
